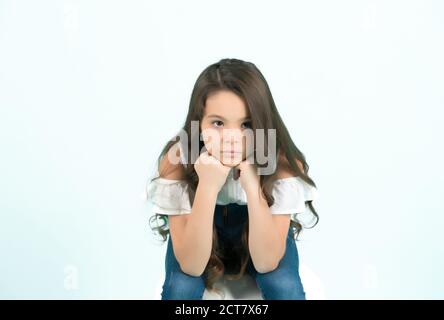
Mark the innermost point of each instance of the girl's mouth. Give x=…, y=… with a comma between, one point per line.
x=231, y=153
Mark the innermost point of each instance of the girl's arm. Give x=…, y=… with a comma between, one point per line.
x=267, y=232
x=192, y=234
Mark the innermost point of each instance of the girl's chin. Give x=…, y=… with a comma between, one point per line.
x=231, y=163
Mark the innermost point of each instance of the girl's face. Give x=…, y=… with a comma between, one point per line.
x=225, y=119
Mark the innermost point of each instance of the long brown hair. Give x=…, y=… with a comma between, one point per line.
x=244, y=79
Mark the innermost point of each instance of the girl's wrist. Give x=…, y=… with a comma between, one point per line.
x=208, y=188
x=253, y=192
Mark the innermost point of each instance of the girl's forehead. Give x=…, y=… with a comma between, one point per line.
x=226, y=105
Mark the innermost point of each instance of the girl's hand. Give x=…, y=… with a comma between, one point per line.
x=247, y=173
x=212, y=173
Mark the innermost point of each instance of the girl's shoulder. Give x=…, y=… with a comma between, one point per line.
x=284, y=169
x=168, y=191
x=170, y=166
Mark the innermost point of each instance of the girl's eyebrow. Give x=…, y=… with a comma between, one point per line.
x=217, y=116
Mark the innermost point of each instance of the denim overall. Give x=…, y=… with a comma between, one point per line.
x=282, y=283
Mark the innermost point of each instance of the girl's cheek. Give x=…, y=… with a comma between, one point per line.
x=212, y=150
x=210, y=138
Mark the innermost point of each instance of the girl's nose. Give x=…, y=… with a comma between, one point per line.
x=232, y=135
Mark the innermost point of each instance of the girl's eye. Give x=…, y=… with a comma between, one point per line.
x=247, y=124
x=217, y=121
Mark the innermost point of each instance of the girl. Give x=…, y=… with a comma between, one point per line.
x=223, y=217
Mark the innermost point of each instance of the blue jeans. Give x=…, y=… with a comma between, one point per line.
x=282, y=283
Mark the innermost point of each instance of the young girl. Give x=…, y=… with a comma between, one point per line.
x=224, y=217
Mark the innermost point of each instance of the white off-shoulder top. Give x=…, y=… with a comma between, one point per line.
x=170, y=197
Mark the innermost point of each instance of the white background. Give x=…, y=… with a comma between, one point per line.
x=90, y=91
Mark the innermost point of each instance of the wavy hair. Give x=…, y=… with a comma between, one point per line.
x=245, y=80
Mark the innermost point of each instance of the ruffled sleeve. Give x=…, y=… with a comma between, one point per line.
x=168, y=196
x=290, y=195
